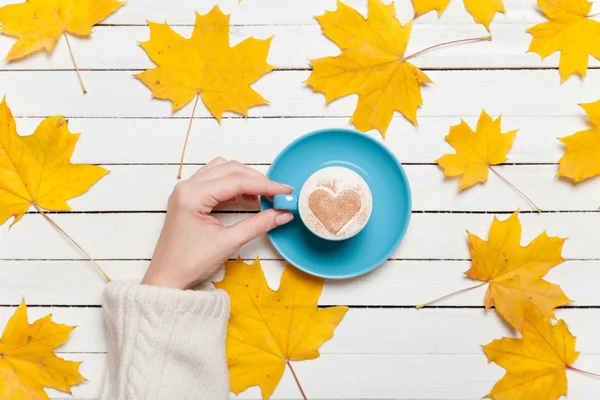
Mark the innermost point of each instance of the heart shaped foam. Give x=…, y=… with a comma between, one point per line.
x=334, y=210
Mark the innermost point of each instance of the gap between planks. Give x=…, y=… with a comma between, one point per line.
x=441, y=69
x=261, y=259
x=486, y=212
x=373, y=306
x=259, y=164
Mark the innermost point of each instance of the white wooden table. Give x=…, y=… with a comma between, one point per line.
x=384, y=348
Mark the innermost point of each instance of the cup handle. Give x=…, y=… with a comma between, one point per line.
x=285, y=202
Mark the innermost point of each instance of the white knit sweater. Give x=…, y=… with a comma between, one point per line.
x=165, y=344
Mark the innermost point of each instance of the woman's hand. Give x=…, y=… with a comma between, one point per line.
x=193, y=244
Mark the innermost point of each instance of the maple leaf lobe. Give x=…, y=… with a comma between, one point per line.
x=482, y=11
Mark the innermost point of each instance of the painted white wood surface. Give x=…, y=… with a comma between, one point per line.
x=437, y=236
x=384, y=348
x=146, y=188
x=264, y=138
x=396, y=284
x=380, y=341
x=455, y=94
x=375, y=376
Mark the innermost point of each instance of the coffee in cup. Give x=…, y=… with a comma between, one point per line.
x=334, y=203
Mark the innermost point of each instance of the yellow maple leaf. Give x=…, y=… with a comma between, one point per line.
x=514, y=272
x=27, y=361
x=536, y=364
x=569, y=30
x=372, y=64
x=268, y=328
x=39, y=24
x=205, y=66
x=36, y=170
x=483, y=11
x=476, y=151
x=582, y=156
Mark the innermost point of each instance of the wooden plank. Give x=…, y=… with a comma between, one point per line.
x=396, y=283
x=276, y=12
x=146, y=188
x=259, y=140
x=456, y=94
x=116, y=47
x=363, y=331
x=376, y=376
x=132, y=236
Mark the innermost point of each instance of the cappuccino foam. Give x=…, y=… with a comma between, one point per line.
x=335, y=203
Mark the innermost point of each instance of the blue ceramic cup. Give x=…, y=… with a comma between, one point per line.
x=334, y=203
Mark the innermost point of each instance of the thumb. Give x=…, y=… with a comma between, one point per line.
x=257, y=225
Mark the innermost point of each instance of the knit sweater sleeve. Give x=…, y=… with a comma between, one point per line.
x=165, y=344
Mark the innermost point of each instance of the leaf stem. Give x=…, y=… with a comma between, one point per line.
x=451, y=294
x=72, y=240
x=582, y=371
x=479, y=39
x=297, y=381
x=187, y=136
x=75, y=64
x=593, y=15
x=503, y=179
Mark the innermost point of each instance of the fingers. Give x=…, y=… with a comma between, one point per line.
x=227, y=168
x=237, y=184
x=226, y=181
x=257, y=225
x=224, y=169
x=212, y=164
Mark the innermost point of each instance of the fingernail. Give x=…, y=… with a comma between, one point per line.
x=284, y=218
x=288, y=186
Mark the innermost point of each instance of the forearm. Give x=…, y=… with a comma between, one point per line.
x=165, y=344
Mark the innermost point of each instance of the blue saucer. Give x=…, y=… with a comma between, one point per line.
x=391, y=203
